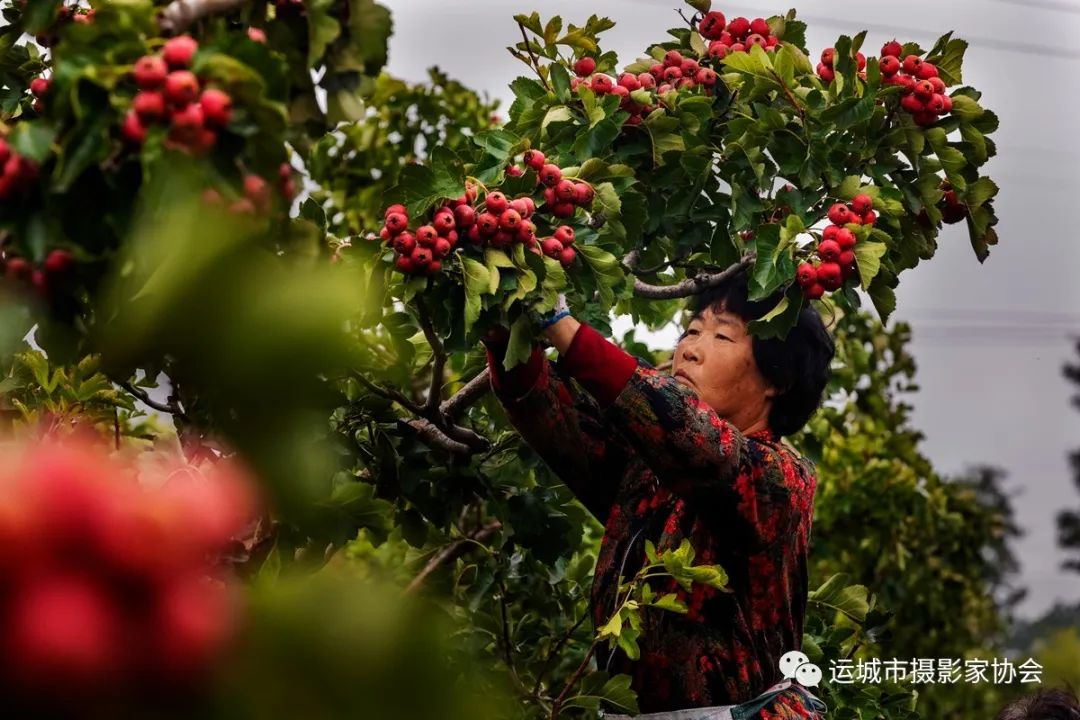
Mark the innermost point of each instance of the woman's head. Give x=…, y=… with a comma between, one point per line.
x=747, y=380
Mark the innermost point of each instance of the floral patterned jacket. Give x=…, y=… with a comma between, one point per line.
x=651, y=460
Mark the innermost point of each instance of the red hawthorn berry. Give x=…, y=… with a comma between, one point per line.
x=924, y=90
x=925, y=119
x=847, y=257
x=629, y=81
x=844, y=238
x=760, y=26
x=444, y=221
x=825, y=72
x=583, y=194
x=671, y=74
x=830, y=232
x=839, y=214
x=551, y=247
x=892, y=49
x=927, y=71
x=621, y=92
x=656, y=70
x=288, y=189
x=426, y=235
x=502, y=239
x=421, y=255
x=912, y=104
x=256, y=35
x=149, y=105
x=565, y=190
x=939, y=85
x=712, y=24
x=758, y=40
x=243, y=206
x=133, y=130
x=673, y=58
x=451, y=237
x=535, y=159
x=584, y=67
x=665, y=88
x=465, y=216
x=861, y=203
x=487, y=223
x=830, y=275
x=806, y=275
x=706, y=77
x=150, y=72
x=405, y=243
x=400, y=209
x=646, y=81
x=257, y=191
x=563, y=210
x=828, y=57
x=549, y=195
x=912, y=63
x=565, y=235
x=58, y=263
x=860, y=61
x=936, y=104
x=217, y=107
x=18, y=269
x=474, y=236
x=405, y=264
x=432, y=267
x=602, y=84
x=526, y=230
x=514, y=171
x=509, y=220
x=771, y=41
x=689, y=67
x=397, y=223
x=567, y=256
x=889, y=66
x=496, y=203
x=551, y=175
x=814, y=292
x=179, y=51
x=181, y=88
x=187, y=121
x=39, y=87
x=946, y=104
x=829, y=250
x=717, y=50
x=442, y=248
x=739, y=27
x=725, y=37
x=524, y=205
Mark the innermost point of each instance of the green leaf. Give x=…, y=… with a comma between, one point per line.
x=560, y=80
x=711, y=575
x=617, y=692
x=32, y=140
x=672, y=603
x=323, y=29
x=835, y=594
x=702, y=6
x=612, y=628
x=868, y=259
x=521, y=343
x=777, y=323
x=950, y=62
x=531, y=22
x=605, y=267
x=980, y=191
x=559, y=113
x=477, y=283
x=578, y=39
x=664, y=132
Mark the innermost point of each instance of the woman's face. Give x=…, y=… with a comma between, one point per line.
x=715, y=358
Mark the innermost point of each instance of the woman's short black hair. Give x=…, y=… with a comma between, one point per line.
x=797, y=366
x=1051, y=704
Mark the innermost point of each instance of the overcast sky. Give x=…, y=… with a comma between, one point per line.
x=989, y=340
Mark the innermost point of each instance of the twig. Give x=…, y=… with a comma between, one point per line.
x=790, y=96
x=555, y=651
x=688, y=287
x=535, y=60
x=438, y=365
x=390, y=394
x=572, y=681
x=467, y=395
x=505, y=621
x=178, y=15
x=452, y=552
x=172, y=407
x=687, y=20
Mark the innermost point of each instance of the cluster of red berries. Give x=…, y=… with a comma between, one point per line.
x=169, y=92
x=739, y=35
x=65, y=14
x=257, y=197
x=826, y=71
x=562, y=196
x=54, y=273
x=923, y=91
x=836, y=251
x=39, y=88
x=17, y=173
x=602, y=84
x=421, y=252
x=105, y=584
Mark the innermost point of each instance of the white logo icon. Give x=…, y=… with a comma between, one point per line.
x=796, y=666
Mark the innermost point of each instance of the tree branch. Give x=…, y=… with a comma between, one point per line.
x=532, y=56
x=557, y=706
x=438, y=362
x=435, y=437
x=453, y=551
x=178, y=15
x=390, y=394
x=172, y=407
x=690, y=286
x=467, y=395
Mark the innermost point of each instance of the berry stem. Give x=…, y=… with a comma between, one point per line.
x=532, y=56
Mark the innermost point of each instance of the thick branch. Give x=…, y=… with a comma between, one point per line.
x=435, y=437
x=438, y=362
x=453, y=551
x=467, y=395
x=181, y=14
x=690, y=286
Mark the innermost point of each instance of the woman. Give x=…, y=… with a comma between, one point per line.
x=691, y=454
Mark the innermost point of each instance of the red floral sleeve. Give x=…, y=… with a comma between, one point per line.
x=564, y=426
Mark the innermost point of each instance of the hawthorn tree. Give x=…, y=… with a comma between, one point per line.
x=1068, y=521
x=205, y=192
